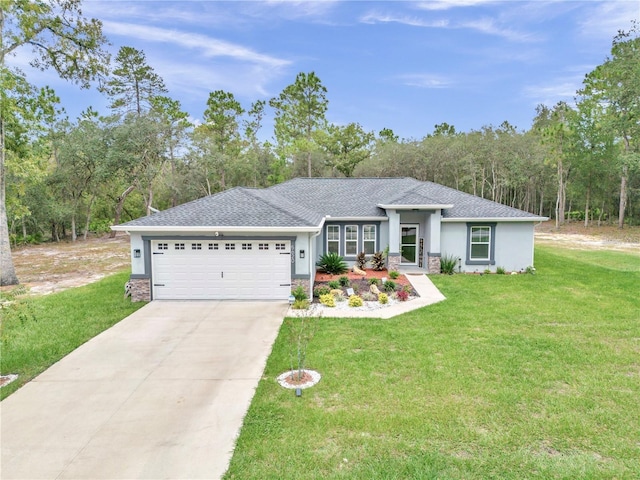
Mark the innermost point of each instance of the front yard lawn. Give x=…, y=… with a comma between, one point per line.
x=38, y=331
x=524, y=376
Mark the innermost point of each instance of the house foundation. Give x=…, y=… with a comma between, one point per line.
x=140, y=289
x=433, y=265
x=304, y=282
x=393, y=261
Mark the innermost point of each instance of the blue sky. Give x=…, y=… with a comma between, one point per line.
x=401, y=65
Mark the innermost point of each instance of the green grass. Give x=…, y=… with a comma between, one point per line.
x=513, y=377
x=36, y=332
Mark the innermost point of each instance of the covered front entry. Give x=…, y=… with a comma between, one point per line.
x=221, y=269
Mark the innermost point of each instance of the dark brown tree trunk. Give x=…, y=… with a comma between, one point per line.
x=119, y=207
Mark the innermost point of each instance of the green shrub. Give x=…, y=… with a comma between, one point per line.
x=332, y=263
x=377, y=261
x=501, y=271
x=389, y=286
x=300, y=304
x=344, y=281
x=448, y=264
x=321, y=290
x=355, y=301
x=361, y=260
x=530, y=270
x=374, y=281
x=394, y=274
x=299, y=293
x=383, y=298
x=487, y=271
x=100, y=226
x=328, y=300
x=334, y=284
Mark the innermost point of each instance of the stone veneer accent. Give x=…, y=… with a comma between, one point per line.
x=140, y=289
x=301, y=281
x=393, y=262
x=434, y=264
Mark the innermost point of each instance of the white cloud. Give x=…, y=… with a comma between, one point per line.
x=485, y=25
x=413, y=21
x=447, y=4
x=488, y=26
x=562, y=89
x=295, y=9
x=425, y=80
x=208, y=46
x=606, y=18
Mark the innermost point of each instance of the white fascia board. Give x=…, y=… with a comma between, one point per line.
x=196, y=229
x=416, y=207
x=494, y=219
x=356, y=219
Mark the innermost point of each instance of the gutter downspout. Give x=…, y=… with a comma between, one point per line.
x=311, y=257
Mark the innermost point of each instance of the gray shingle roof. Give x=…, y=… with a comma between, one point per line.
x=303, y=202
x=238, y=207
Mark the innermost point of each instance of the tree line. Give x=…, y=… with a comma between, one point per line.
x=67, y=178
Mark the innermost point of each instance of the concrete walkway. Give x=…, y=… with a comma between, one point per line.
x=429, y=294
x=162, y=394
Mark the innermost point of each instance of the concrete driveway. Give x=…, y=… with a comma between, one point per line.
x=162, y=394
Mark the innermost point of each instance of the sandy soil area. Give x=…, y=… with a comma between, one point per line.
x=51, y=267
x=576, y=236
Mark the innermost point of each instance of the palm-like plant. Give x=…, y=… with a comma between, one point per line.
x=332, y=263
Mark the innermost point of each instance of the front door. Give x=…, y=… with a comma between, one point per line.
x=409, y=243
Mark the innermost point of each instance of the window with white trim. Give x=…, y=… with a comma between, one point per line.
x=369, y=239
x=229, y=246
x=213, y=246
x=351, y=240
x=281, y=246
x=163, y=246
x=263, y=246
x=179, y=246
x=196, y=246
x=333, y=238
x=247, y=246
x=480, y=243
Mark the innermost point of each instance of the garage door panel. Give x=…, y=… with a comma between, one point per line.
x=233, y=270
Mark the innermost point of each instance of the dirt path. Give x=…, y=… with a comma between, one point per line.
x=52, y=267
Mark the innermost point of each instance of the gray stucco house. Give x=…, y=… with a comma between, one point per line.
x=247, y=243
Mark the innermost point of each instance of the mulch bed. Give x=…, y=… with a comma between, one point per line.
x=326, y=277
x=361, y=283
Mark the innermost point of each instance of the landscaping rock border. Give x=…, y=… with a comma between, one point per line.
x=283, y=379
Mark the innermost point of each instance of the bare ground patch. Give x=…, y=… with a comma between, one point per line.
x=52, y=267
x=576, y=236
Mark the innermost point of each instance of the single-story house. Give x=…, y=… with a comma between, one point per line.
x=247, y=243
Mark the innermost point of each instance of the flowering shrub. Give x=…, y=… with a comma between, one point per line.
x=383, y=298
x=402, y=295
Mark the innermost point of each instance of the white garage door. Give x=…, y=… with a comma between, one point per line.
x=236, y=269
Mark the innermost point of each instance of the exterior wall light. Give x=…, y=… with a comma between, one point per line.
x=301, y=253
x=136, y=253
